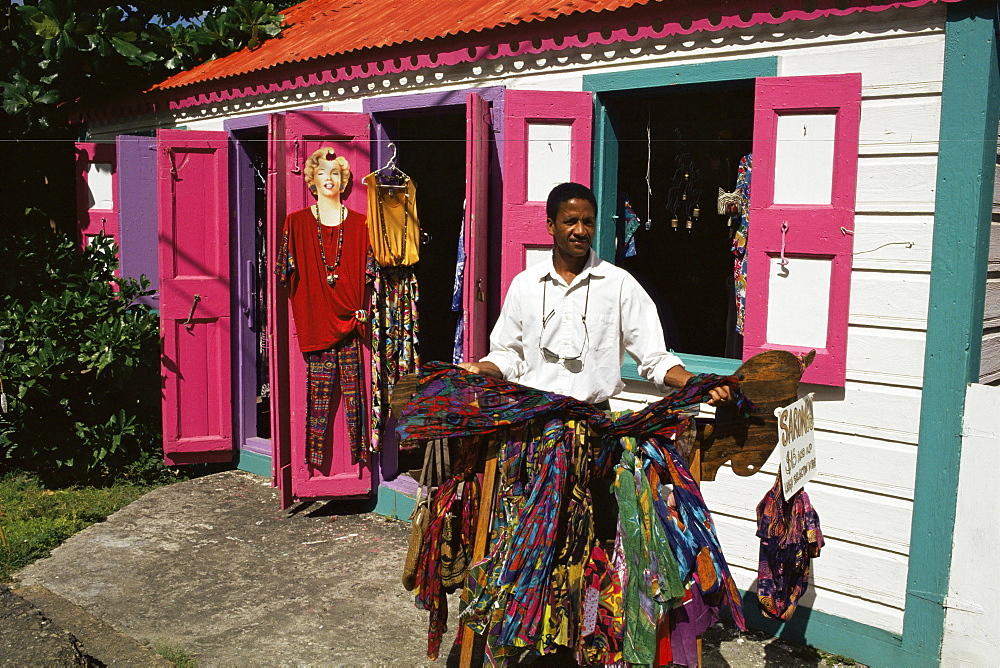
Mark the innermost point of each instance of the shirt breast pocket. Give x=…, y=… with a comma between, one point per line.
x=603, y=331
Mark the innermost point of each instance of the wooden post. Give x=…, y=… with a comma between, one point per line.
x=696, y=459
x=472, y=642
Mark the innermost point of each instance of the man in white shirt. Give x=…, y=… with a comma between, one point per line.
x=565, y=326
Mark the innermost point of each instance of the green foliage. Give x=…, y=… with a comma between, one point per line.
x=80, y=365
x=36, y=519
x=66, y=51
x=178, y=657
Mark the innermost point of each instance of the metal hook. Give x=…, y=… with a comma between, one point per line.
x=783, y=262
x=295, y=150
x=189, y=323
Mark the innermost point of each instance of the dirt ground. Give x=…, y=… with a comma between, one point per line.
x=212, y=570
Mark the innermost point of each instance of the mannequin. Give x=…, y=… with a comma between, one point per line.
x=322, y=260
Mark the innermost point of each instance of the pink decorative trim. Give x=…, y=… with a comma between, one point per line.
x=650, y=22
x=814, y=230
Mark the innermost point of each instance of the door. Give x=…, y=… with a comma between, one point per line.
x=475, y=285
x=295, y=136
x=192, y=173
x=547, y=141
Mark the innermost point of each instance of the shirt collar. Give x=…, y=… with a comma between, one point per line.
x=594, y=266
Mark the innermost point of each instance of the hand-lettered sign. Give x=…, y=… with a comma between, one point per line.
x=797, y=440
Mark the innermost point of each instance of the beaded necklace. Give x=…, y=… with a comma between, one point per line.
x=331, y=275
x=397, y=260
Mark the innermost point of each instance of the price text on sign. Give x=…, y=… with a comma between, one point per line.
x=797, y=440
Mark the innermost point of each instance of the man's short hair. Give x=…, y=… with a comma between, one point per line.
x=567, y=191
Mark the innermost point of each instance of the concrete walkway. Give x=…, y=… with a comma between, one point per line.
x=212, y=568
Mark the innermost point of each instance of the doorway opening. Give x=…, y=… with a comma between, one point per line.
x=431, y=150
x=250, y=335
x=689, y=139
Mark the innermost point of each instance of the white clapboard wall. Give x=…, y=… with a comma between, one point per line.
x=867, y=431
x=989, y=364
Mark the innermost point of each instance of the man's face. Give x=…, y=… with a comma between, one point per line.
x=574, y=227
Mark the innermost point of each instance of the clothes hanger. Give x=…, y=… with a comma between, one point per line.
x=391, y=176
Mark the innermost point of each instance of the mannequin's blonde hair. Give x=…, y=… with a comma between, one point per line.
x=321, y=154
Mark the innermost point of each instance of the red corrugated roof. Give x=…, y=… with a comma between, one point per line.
x=319, y=28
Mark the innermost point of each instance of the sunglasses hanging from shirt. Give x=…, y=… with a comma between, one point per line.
x=557, y=330
x=393, y=226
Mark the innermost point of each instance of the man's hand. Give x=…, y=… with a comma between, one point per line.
x=483, y=368
x=677, y=376
x=720, y=395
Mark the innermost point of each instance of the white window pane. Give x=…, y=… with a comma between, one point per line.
x=548, y=158
x=803, y=161
x=536, y=255
x=798, y=302
x=101, y=195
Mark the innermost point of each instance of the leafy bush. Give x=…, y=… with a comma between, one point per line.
x=80, y=364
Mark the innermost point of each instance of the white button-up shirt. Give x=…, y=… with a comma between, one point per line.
x=585, y=365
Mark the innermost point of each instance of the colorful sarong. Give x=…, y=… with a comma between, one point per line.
x=395, y=293
x=790, y=537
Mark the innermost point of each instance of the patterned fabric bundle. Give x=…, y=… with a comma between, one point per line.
x=532, y=590
x=452, y=402
x=653, y=580
x=445, y=505
x=394, y=339
x=790, y=538
x=675, y=549
x=603, y=622
x=740, y=234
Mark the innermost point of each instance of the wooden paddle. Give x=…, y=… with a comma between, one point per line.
x=770, y=380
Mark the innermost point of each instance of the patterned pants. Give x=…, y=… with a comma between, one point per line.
x=325, y=367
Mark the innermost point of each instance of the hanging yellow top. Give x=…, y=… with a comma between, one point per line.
x=393, y=226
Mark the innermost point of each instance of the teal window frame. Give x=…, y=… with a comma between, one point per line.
x=611, y=86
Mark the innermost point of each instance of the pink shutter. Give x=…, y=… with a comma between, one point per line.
x=804, y=179
x=301, y=134
x=547, y=137
x=192, y=174
x=477, y=157
x=96, y=191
